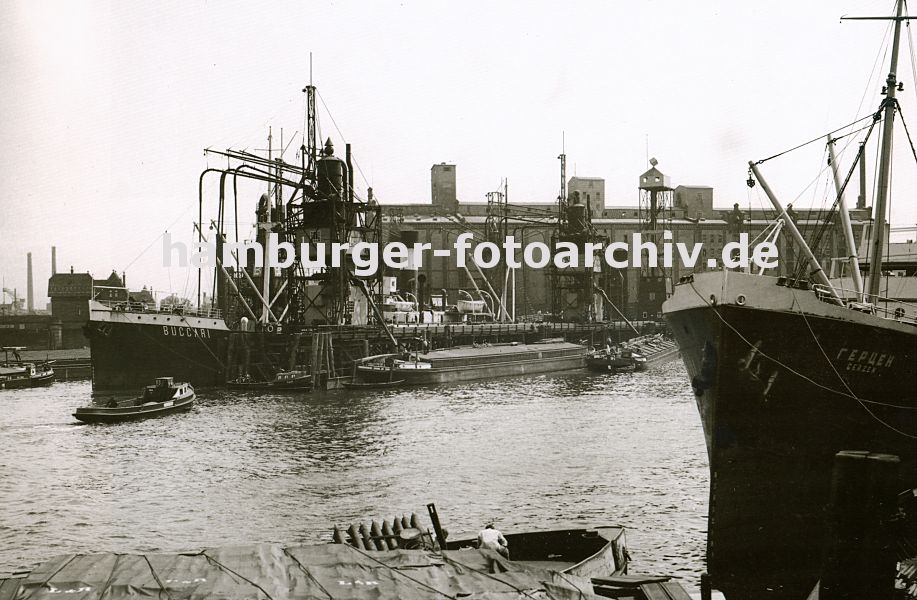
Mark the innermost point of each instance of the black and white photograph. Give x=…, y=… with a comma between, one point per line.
x=475, y=300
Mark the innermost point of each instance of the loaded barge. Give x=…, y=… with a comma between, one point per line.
x=396, y=558
x=342, y=571
x=639, y=354
x=471, y=362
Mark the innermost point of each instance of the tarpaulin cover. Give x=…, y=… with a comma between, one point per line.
x=274, y=571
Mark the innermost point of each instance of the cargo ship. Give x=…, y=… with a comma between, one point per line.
x=786, y=372
x=132, y=344
x=258, y=322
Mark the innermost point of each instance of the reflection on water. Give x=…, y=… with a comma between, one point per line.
x=548, y=451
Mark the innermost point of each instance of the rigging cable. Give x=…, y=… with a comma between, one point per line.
x=47, y=580
x=343, y=137
x=228, y=570
x=891, y=170
x=881, y=54
x=449, y=559
x=791, y=369
x=910, y=43
x=307, y=572
x=764, y=160
x=111, y=575
x=842, y=380
x=824, y=226
x=156, y=577
x=907, y=131
x=400, y=572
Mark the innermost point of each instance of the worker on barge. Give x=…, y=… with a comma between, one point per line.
x=492, y=539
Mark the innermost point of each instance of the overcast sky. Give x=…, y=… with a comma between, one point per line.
x=107, y=106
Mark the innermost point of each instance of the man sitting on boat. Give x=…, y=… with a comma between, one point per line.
x=492, y=539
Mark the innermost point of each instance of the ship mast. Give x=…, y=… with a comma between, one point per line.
x=888, y=106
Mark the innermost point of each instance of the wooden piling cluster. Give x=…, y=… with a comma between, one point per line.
x=860, y=559
x=380, y=535
x=262, y=356
x=322, y=364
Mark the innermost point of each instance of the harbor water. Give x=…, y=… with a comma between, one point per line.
x=548, y=451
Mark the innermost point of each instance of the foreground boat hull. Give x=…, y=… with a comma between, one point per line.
x=777, y=375
x=594, y=552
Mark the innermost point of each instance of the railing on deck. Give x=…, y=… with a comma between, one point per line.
x=886, y=308
x=117, y=300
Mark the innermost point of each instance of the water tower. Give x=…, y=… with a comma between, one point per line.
x=657, y=197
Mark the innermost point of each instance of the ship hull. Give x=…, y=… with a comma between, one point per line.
x=128, y=350
x=782, y=382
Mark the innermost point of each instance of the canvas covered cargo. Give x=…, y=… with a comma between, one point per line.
x=275, y=572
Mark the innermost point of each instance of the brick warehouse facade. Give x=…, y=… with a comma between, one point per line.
x=692, y=218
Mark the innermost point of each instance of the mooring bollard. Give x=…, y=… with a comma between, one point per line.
x=706, y=588
x=859, y=555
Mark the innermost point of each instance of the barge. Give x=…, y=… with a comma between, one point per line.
x=467, y=363
x=18, y=374
x=280, y=571
x=638, y=354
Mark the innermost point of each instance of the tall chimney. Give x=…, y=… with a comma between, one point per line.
x=30, y=301
x=54, y=260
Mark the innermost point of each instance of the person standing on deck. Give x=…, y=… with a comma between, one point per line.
x=492, y=539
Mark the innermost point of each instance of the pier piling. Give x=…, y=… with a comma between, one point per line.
x=859, y=559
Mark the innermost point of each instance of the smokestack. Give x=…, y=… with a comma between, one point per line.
x=54, y=260
x=29, y=296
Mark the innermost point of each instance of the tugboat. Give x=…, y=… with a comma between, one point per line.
x=164, y=397
x=17, y=374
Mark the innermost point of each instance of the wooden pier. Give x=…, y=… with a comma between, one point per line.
x=329, y=352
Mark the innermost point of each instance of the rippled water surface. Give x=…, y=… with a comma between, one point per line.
x=550, y=451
